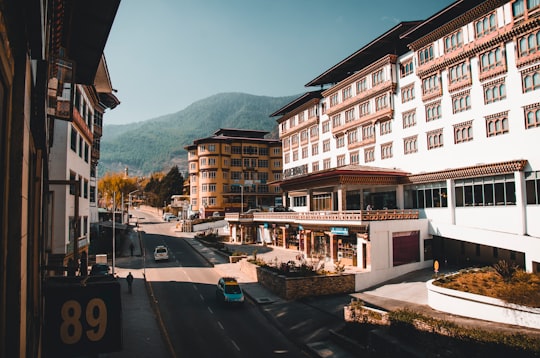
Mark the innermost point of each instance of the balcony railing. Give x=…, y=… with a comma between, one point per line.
x=326, y=216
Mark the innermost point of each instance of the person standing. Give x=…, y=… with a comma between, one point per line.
x=129, y=279
x=131, y=247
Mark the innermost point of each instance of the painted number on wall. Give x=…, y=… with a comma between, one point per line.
x=71, y=328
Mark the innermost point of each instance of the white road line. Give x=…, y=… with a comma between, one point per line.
x=220, y=325
x=235, y=345
x=210, y=310
x=201, y=296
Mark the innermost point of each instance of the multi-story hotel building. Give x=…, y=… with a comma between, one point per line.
x=230, y=171
x=420, y=146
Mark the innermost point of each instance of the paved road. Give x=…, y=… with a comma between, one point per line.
x=196, y=325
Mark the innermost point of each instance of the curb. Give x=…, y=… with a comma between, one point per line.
x=163, y=330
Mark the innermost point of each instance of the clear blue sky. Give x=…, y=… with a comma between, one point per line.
x=164, y=55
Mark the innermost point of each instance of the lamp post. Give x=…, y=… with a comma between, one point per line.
x=241, y=198
x=113, y=233
x=129, y=205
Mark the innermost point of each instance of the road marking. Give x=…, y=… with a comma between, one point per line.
x=210, y=310
x=235, y=345
x=201, y=296
x=220, y=325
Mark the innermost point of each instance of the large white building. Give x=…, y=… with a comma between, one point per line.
x=420, y=146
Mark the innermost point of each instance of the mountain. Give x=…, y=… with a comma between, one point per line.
x=157, y=144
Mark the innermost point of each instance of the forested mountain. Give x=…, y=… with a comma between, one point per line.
x=157, y=144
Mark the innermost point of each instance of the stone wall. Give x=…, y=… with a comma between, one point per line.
x=292, y=288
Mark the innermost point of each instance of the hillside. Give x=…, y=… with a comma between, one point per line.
x=157, y=144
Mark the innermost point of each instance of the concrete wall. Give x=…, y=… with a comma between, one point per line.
x=481, y=307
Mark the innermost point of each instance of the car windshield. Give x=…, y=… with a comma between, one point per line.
x=159, y=251
x=232, y=289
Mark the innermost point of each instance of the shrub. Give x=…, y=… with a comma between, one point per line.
x=505, y=269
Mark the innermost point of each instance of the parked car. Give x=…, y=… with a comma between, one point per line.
x=172, y=218
x=229, y=291
x=216, y=214
x=280, y=209
x=194, y=216
x=251, y=211
x=100, y=270
x=161, y=253
x=166, y=215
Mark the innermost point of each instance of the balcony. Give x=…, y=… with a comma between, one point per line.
x=325, y=217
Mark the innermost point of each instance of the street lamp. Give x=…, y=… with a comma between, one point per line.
x=129, y=205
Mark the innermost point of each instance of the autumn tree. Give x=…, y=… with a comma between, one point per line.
x=160, y=190
x=112, y=184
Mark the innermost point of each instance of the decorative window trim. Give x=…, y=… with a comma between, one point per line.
x=410, y=144
x=534, y=110
x=435, y=139
x=497, y=124
x=409, y=118
x=497, y=89
x=386, y=150
x=431, y=106
x=463, y=132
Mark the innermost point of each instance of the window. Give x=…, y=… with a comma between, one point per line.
x=494, y=91
x=73, y=139
x=326, y=126
x=485, y=191
x=410, y=144
x=336, y=121
x=352, y=136
x=211, y=147
x=433, y=111
x=368, y=132
x=346, y=93
x=458, y=73
x=463, y=132
x=312, y=111
x=497, y=124
x=299, y=201
x=262, y=163
x=315, y=167
x=334, y=99
x=431, y=84
x=211, y=161
x=409, y=119
x=386, y=150
x=453, y=41
x=425, y=55
x=369, y=154
x=461, y=102
x=381, y=102
x=202, y=148
x=349, y=115
x=364, y=109
x=341, y=160
x=326, y=163
x=263, y=151
x=386, y=127
x=292, y=122
x=287, y=158
x=211, y=187
x=407, y=93
x=236, y=175
x=377, y=77
x=406, y=68
x=529, y=44
x=236, y=149
x=361, y=86
x=295, y=155
x=531, y=80
x=354, y=158
x=532, y=115
x=236, y=162
x=486, y=25
x=430, y=195
x=304, y=135
x=491, y=59
x=304, y=152
x=519, y=9
x=326, y=145
x=532, y=186
x=435, y=139
x=86, y=152
x=315, y=149
x=276, y=151
x=294, y=139
x=301, y=117
x=340, y=141
x=314, y=132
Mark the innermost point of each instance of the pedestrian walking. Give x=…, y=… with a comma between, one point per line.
x=129, y=279
x=131, y=247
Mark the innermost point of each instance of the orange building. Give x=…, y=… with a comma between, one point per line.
x=230, y=172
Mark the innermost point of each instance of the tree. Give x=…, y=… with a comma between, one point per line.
x=115, y=183
x=160, y=189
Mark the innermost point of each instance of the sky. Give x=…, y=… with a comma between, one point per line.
x=163, y=55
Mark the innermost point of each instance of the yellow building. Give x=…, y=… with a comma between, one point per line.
x=230, y=172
